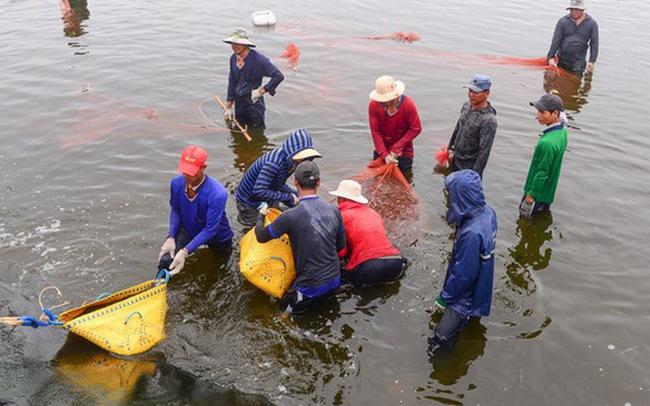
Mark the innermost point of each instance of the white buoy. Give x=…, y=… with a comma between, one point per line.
x=264, y=17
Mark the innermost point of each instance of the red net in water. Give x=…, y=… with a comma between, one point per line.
x=388, y=191
x=398, y=36
x=292, y=54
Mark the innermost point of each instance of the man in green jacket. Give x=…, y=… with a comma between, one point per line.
x=544, y=172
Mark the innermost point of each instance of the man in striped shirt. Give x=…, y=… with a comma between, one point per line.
x=265, y=180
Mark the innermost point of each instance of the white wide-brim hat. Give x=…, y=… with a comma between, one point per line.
x=387, y=88
x=351, y=190
x=239, y=37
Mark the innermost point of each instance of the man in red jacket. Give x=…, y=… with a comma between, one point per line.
x=394, y=123
x=372, y=258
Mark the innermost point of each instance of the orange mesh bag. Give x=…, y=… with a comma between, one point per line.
x=388, y=191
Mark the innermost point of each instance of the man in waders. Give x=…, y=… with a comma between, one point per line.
x=574, y=34
x=245, y=90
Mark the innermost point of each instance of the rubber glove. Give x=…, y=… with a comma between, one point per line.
x=391, y=159
x=296, y=200
x=526, y=209
x=551, y=62
x=168, y=247
x=590, y=67
x=227, y=114
x=179, y=262
x=263, y=208
x=257, y=93
x=440, y=303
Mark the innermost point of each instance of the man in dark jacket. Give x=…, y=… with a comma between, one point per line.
x=316, y=232
x=245, y=90
x=471, y=141
x=265, y=180
x=467, y=291
x=573, y=34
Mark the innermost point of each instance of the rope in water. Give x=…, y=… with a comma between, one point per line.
x=48, y=317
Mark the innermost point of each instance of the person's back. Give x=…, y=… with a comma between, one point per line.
x=365, y=234
x=315, y=229
x=372, y=258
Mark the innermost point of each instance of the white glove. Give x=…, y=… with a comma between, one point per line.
x=526, y=209
x=590, y=67
x=551, y=61
x=227, y=114
x=263, y=208
x=256, y=94
x=168, y=247
x=296, y=200
x=179, y=262
x=391, y=159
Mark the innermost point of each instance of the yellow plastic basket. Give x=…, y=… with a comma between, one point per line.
x=127, y=322
x=268, y=266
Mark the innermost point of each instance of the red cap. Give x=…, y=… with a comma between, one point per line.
x=192, y=159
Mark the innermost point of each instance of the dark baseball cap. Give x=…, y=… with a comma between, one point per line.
x=548, y=102
x=307, y=172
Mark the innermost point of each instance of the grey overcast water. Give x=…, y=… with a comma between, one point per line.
x=97, y=106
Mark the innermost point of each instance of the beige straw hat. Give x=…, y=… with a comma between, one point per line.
x=387, y=88
x=351, y=190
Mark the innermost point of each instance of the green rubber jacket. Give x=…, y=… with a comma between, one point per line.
x=544, y=171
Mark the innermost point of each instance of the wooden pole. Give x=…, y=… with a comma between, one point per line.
x=242, y=129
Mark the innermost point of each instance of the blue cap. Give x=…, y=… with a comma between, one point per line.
x=479, y=83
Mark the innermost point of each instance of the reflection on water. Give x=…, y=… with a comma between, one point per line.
x=246, y=152
x=450, y=364
x=531, y=252
x=75, y=12
x=97, y=373
x=573, y=89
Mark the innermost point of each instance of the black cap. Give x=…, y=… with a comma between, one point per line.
x=548, y=102
x=307, y=173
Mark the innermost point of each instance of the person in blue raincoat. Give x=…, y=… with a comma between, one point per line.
x=467, y=291
x=245, y=90
x=265, y=180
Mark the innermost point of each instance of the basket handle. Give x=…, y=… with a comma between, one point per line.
x=131, y=315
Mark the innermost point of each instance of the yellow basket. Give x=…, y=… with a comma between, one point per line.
x=127, y=322
x=268, y=266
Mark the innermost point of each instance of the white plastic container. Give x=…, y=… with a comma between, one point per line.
x=264, y=17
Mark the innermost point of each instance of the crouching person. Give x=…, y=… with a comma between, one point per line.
x=315, y=229
x=467, y=291
x=371, y=257
x=198, y=212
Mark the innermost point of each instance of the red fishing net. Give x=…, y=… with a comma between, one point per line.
x=388, y=191
x=442, y=157
x=398, y=36
x=292, y=54
x=103, y=117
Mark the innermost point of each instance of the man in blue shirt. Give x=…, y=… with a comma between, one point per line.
x=573, y=34
x=467, y=291
x=245, y=90
x=316, y=232
x=198, y=212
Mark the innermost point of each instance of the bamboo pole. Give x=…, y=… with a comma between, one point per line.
x=242, y=129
